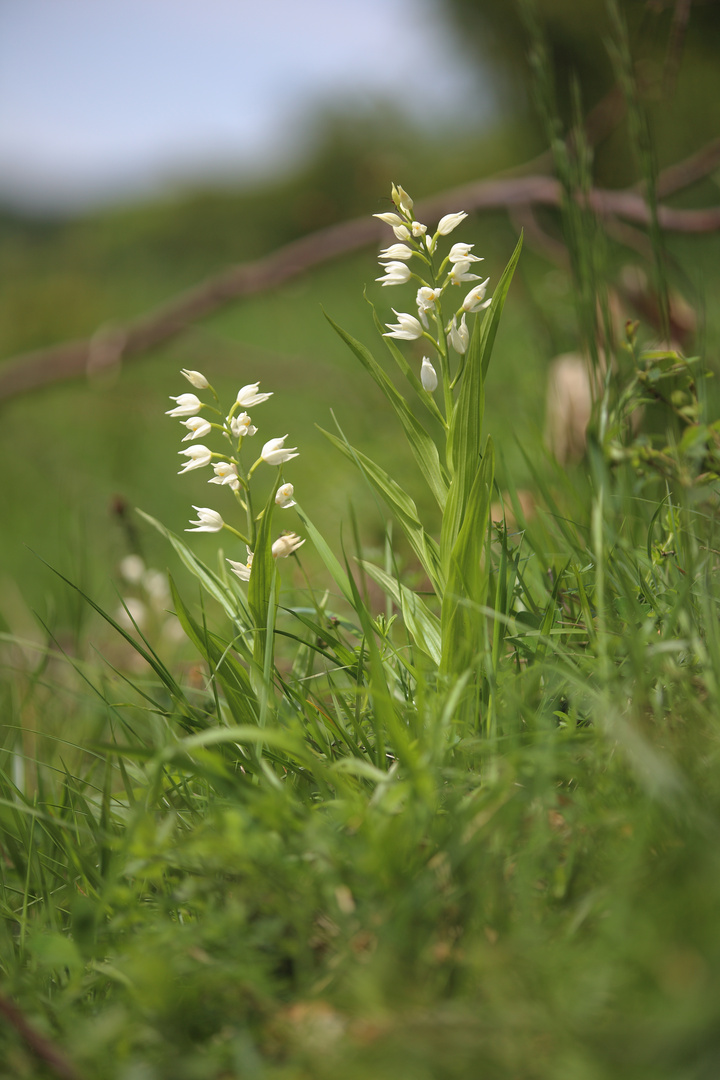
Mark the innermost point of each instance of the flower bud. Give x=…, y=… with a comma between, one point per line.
x=196, y=379
x=449, y=222
x=428, y=376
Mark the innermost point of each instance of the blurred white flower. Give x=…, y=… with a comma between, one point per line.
x=418, y=229
x=187, y=405
x=459, y=336
x=199, y=456
x=425, y=300
x=428, y=376
x=196, y=379
x=449, y=222
x=407, y=327
x=156, y=586
x=240, y=425
x=132, y=569
x=284, y=496
x=474, y=299
x=197, y=428
x=401, y=232
x=131, y=613
x=274, y=453
x=208, y=520
x=396, y=273
x=286, y=544
x=225, y=473
x=242, y=569
x=396, y=251
x=248, y=395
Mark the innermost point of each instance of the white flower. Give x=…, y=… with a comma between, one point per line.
x=284, y=496
x=208, y=520
x=473, y=300
x=425, y=300
x=274, y=453
x=156, y=586
x=462, y=251
x=242, y=569
x=428, y=376
x=132, y=569
x=418, y=229
x=397, y=251
x=459, y=272
x=199, y=456
x=407, y=327
x=132, y=613
x=240, y=425
x=459, y=336
x=286, y=544
x=196, y=379
x=248, y=395
x=390, y=219
x=401, y=232
x=449, y=222
x=396, y=273
x=187, y=405
x=402, y=200
x=225, y=473
x=197, y=427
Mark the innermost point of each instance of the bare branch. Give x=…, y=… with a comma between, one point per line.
x=111, y=344
x=39, y=1044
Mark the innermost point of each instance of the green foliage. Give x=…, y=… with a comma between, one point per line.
x=458, y=821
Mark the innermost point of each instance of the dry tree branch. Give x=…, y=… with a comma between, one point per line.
x=42, y=1047
x=33, y=370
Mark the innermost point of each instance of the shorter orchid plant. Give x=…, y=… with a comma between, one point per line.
x=234, y=428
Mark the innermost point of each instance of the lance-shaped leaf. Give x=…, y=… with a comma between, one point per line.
x=224, y=667
x=401, y=505
x=261, y=578
x=424, y=449
x=230, y=599
x=466, y=591
x=465, y=435
x=422, y=624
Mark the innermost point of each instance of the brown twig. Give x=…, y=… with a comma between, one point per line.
x=39, y=1044
x=41, y=368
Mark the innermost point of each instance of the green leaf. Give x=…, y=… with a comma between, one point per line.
x=461, y=620
x=225, y=668
x=402, y=506
x=422, y=624
x=331, y=563
x=424, y=449
x=465, y=435
x=262, y=577
x=427, y=399
x=231, y=600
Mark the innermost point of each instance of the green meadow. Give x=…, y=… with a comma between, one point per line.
x=437, y=795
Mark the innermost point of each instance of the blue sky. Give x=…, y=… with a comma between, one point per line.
x=103, y=99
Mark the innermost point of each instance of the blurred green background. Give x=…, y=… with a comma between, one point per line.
x=74, y=452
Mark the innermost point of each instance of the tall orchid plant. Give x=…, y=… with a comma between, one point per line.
x=458, y=466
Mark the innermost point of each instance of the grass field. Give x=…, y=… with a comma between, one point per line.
x=455, y=816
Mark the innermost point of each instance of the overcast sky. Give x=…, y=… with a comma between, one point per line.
x=105, y=98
